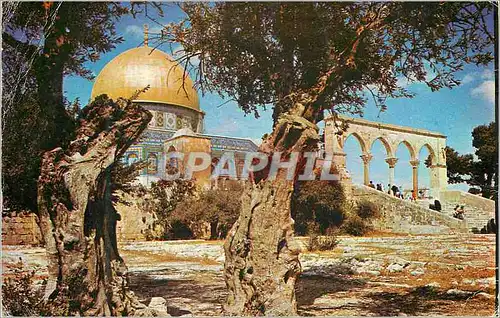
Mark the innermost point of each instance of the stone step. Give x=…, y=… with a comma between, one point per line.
x=474, y=217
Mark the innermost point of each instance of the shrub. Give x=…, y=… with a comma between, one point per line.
x=368, y=210
x=123, y=179
x=164, y=198
x=19, y=295
x=321, y=243
x=355, y=225
x=321, y=202
x=218, y=207
x=180, y=230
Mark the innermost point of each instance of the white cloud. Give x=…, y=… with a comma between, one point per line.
x=402, y=81
x=486, y=91
x=134, y=31
x=137, y=32
x=469, y=78
x=487, y=74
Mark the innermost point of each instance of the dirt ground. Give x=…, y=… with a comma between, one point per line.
x=382, y=275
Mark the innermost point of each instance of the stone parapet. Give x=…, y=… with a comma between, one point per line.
x=402, y=216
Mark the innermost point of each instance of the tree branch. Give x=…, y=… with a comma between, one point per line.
x=26, y=48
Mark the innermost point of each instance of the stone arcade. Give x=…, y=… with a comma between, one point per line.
x=367, y=132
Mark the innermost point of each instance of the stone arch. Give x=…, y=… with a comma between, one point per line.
x=410, y=147
x=431, y=150
x=389, y=151
x=132, y=158
x=172, y=162
x=359, y=138
x=171, y=149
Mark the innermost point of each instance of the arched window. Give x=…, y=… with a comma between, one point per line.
x=172, y=163
x=131, y=158
x=152, y=163
x=215, y=161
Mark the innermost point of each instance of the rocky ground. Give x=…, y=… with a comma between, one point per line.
x=374, y=276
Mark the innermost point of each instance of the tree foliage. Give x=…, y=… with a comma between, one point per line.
x=218, y=207
x=485, y=170
x=21, y=154
x=271, y=53
x=20, y=295
x=42, y=42
x=480, y=171
x=165, y=196
x=48, y=40
x=318, y=205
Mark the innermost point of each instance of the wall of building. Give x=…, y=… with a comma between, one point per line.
x=135, y=222
x=21, y=228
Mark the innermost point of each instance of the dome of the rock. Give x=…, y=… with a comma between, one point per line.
x=139, y=67
x=176, y=123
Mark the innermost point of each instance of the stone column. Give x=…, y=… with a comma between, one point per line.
x=414, y=164
x=338, y=159
x=392, y=163
x=367, y=157
x=439, y=179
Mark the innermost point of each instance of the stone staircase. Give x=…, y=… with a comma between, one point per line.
x=478, y=210
x=403, y=216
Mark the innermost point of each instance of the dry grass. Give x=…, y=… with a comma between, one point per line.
x=423, y=255
x=378, y=233
x=444, y=276
x=379, y=250
x=164, y=257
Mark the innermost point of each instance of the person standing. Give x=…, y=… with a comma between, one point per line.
x=395, y=190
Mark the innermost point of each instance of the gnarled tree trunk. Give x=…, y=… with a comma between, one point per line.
x=87, y=276
x=262, y=262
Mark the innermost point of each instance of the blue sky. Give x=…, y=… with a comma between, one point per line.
x=452, y=112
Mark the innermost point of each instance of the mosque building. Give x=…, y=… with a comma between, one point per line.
x=177, y=123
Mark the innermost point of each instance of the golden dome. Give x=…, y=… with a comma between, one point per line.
x=137, y=68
